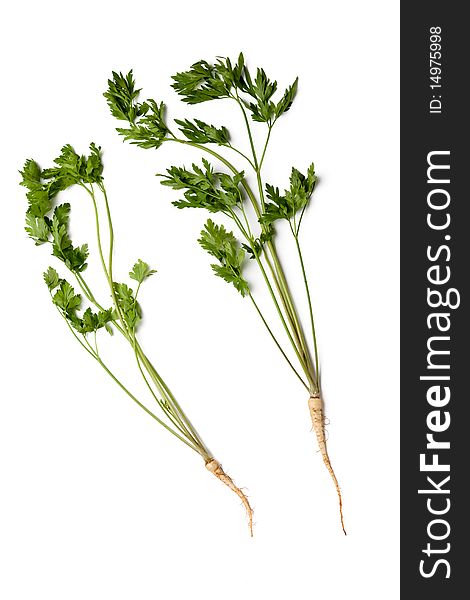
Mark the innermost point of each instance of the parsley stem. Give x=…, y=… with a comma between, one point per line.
x=277, y=343
x=86, y=290
x=277, y=273
x=90, y=351
x=172, y=418
x=98, y=231
x=273, y=295
x=270, y=126
x=205, y=452
x=156, y=378
x=288, y=297
x=143, y=407
x=250, y=136
x=309, y=300
x=229, y=145
x=278, y=277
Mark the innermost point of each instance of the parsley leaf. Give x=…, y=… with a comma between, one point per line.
x=51, y=277
x=294, y=200
x=223, y=245
x=70, y=169
x=205, y=188
x=128, y=305
x=203, y=81
x=37, y=228
x=147, y=127
x=66, y=299
x=202, y=133
x=31, y=175
x=68, y=302
x=141, y=271
x=74, y=258
x=150, y=130
x=121, y=97
x=287, y=99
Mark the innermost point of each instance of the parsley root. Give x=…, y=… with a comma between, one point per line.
x=315, y=406
x=49, y=224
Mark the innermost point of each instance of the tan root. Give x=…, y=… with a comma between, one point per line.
x=216, y=468
x=315, y=405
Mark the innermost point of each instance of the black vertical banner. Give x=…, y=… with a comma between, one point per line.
x=435, y=301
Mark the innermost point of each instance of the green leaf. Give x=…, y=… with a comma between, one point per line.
x=37, y=228
x=287, y=99
x=202, y=82
x=216, y=192
x=66, y=299
x=294, y=200
x=128, y=305
x=72, y=168
x=202, y=133
x=62, y=214
x=89, y=321
x=104, y=318
x=216, y=240
x=121, y=96
x=230, y=276
x=51, y=277
x=140, y=271
x=31, y=175
x=147, y=127
x=148, y=131
x=74, y=257
x=223, y=245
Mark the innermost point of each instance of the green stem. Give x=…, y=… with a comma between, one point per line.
x=143, y=407
x=229, y=145
x=292, y=310
x=278, y=276
x=312, y=322
x=160, y=403
x=277, y=343
x=270, y=126
x=109, y=271
x=98, y=230
x=158, y=381
x=124, y=388
x=273, y=295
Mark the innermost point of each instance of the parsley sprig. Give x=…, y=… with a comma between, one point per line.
x=229, y=192
x=49, y=223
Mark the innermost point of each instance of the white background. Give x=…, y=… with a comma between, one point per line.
x=100, y=503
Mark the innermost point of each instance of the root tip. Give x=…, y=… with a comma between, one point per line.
x=216, y=469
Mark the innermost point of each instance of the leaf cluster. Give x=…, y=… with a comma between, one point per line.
x=203, y=133
x=205, y=188
x=44, y=185
x=43, y=224
x=68, y=302
x=205, y=81
x=294, y=200
x=128, y=305
x=147, y=126
x=223, y=245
